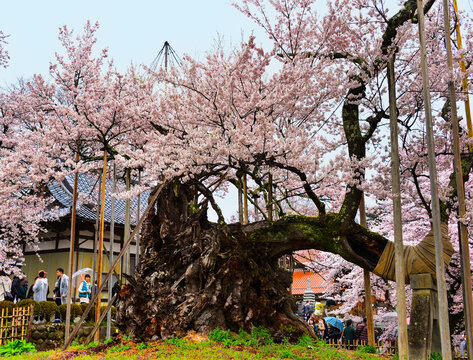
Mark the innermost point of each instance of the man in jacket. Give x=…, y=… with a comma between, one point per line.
x=60, y=290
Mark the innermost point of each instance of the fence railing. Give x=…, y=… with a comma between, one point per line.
x=384, y=347
x=15, y=324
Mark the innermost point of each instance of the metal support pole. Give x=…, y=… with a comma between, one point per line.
x=397, y=213
x=440, y=266
x=463, y=232
x=112, y=243
x=71, y=249
x=100, y=256
x=367, y=283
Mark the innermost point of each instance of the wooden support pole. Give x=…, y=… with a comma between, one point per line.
x=126, y=265
x=397, y=214
x=464, y=80
x=240, y=199
x=100, y=255
x=270, y=196
x=112, y=243
x=96, y=239
x=138, y=210
x=71, y=249
x=367, y=283
x=440, y=266
x=463, y=232
x=245, y=200
x=115, y=263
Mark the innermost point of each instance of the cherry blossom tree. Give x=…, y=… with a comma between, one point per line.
x=305, y=119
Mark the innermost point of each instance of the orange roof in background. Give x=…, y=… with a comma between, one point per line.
x=299, y=282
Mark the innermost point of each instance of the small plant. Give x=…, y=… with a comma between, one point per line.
x=174, y=340
x=142, y=346
x=306, y=341
x=368, y=349
x=119, y=348
x=219, y=335
x=129, y=336
x=287, y=354
x=108, y=341
x=435, y=356
x=91, y=345
x=16, y=347
x=262, y=335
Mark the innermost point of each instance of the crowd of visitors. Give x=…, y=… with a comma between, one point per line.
x=16, y=289
x=346, y=333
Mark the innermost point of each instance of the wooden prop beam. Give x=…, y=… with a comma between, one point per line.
x=367, y=283
x=397, y=214
x=71, y=250
x=463, y=232
x=100, y=256
x=440, y=266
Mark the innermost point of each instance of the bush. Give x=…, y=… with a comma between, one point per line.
x=28, y=302
x=47, y=309
x=76, y=311
x=6, y=305
x=16, y=347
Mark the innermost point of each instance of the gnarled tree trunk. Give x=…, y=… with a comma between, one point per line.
x=198, y=275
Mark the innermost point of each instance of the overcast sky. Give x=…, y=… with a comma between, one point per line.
x=131, y=30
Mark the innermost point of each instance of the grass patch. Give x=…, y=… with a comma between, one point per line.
x=221, y=345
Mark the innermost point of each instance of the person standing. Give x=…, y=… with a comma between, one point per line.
x=362, y=331
x=5, y=287
x=349, y=334
x=60, y=288
x=308, y=310
x=40, y=292
x=85, y=289
x=40, y=287
x=19, y=288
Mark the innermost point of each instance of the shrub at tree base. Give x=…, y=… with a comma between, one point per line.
x=16, y=347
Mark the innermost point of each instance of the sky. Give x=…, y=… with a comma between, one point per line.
x=133, y=31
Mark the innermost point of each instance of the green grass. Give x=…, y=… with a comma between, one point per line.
x=179, y=349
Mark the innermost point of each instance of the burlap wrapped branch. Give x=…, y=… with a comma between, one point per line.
x=419, y=259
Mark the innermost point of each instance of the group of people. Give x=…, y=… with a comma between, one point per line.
x=328, y=332
x=16, y=289
x=348, y=335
